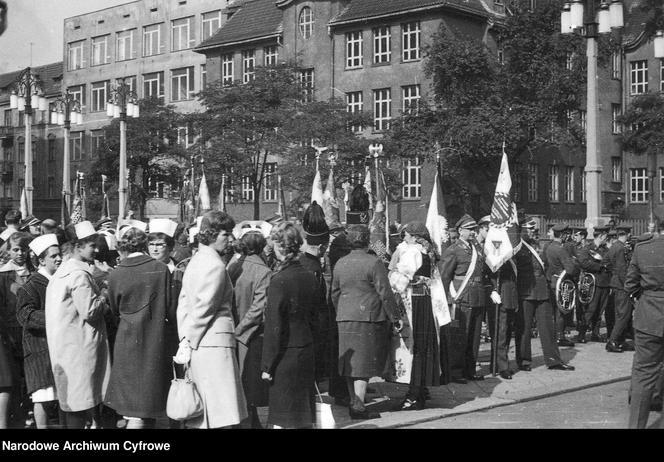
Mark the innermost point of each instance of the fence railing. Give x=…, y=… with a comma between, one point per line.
x=639, y=226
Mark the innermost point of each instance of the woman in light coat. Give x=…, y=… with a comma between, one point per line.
x=76, y=331
x=206, y=327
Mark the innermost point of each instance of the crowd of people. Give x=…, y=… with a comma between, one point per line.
x=96, y=318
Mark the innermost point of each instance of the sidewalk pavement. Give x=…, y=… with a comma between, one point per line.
x=594, y=366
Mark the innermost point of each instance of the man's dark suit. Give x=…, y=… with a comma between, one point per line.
x=645, y=281
x=557, y=259
x=623, y=304
x=602, y=272
x=504, y=282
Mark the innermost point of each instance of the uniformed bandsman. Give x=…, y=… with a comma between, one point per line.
x=623, y=304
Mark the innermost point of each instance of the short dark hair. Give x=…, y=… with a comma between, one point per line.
x=21, y=239
x=170, y=242
x=212, y=224
x=252, y=243
x=13, y=217
x=133, y=240
x=358, y=236
x=557, y=233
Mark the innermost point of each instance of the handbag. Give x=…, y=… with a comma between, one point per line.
x=324, y=416
x=183, y=402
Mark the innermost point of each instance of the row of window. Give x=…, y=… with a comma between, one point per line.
x=382, y=104
x=183, y=36
x=638, y=76
x=639, y=185
x=567, y=192
x=381, y=40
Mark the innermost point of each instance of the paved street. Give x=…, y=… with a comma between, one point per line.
x=604, y=406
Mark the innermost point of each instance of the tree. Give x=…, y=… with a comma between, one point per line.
x=153, y=155
x=480, y=103
x=246, y=123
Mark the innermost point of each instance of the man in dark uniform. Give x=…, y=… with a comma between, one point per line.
x=463, y=273
x=557, y=260
x=645, y=283
x=623, y=304
x=593, y=260
x=534, y=301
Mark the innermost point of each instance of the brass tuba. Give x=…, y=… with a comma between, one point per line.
x=565, y=293
x=586, y=287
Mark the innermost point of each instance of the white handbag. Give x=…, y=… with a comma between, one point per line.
x=324, y=416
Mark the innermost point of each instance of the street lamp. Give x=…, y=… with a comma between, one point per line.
x=65, y=111
x=572, y=18
x=26, y=95
x=123, y=103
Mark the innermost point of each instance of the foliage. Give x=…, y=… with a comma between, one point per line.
x=654, y=20
x=644, y=124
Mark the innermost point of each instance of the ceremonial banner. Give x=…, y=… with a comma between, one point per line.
x=77, y=205
x=317, y=189
x=436, y=222
x=502, y=241
x=24, y=204
x=330, y=203
x=204, y=194
x=367, y=184
x=378, y=223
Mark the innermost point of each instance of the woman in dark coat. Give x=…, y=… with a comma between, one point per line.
x=146, y=340
x=290, y=328
x=31, y=315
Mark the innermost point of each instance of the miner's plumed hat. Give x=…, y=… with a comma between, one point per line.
x=358, y=206
x=315, y=227
x=466, y=222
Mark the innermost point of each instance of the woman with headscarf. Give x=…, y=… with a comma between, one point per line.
x=366, y=311
x=206, y=328
x=290, y=328
x=31, y=315
x=13, y=275
x=414, y=263
x=139, y=295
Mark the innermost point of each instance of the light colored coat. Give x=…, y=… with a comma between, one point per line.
x=205, y=318
x=76, y=334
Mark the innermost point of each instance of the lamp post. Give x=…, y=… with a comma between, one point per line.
x=583, y=15
x=26, y=96
x=123, y=103
x=66, y=110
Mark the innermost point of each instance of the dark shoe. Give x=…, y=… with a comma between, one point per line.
x=565, y=342
x=627, y=346
x=475, y=377
x=581, y=336
x=363, y=415
x=561, y=367
x=460, y=380
x=613, y=347
x=505, y=375
x=525, y=367
x=412, y=404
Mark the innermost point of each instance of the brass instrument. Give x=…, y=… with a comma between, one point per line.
x=565, y=293
x=586, y=287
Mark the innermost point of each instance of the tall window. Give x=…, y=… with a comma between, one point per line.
x=153, y=85
x=203, y=76
x=210, y=24
x=410, y=97
x=130, y=81
x=661, y=75
x=584, y=185
x=533, y=182
x=410, y=41
x=382, y=43
x=270, y=55
x=8, y=118
x=247, y=189
x=354, y=104
x=51, y=186
x=99, y=90
x=583, y=119
x=616, y=111
x=78, y=93
x=21, y=151
x=76, y=145
x=124, y=45
x=616, y=169
x=353, y=49
x=75, y=55
x=307, y=83
x=569, y=60
x=152, y=39
x=227, y=69
x=661, y=184
x=306, y=22
x=100, y=50
x=52, y=146
x=270, y=182
x=638, y=72
x=182, y=34
x=182, y=84
x=248, y=64
x=569, y=184
x=96, y=141
x=411, y=178
x=638, y=185
x=554, y=182
x=382, y=109
x=184, y=139
x=616, y=65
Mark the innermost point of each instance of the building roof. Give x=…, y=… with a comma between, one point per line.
x=635, y=19
x=50, y=75
x=360, y=10
x=254, y=20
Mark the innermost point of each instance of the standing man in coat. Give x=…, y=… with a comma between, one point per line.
x=462, y=271
x=534, y=299
x=557, y=260
x=593, y=260
x=645, y=283
x=623, y=304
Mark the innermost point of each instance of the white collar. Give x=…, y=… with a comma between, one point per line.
x=171, y=265
x=44, y=273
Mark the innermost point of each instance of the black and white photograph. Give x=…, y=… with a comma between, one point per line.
x=328, y=214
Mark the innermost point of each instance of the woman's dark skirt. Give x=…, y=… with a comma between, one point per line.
x=425, y=371
x=256, y=390
x=363, y=348
x=7, y=364
x=292, y=393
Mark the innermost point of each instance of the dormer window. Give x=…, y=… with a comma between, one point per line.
x=306, y=22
